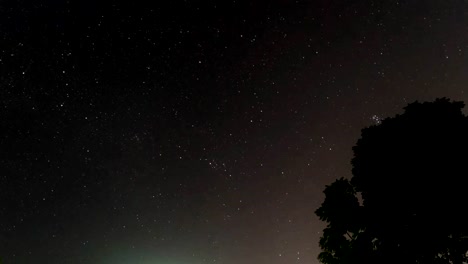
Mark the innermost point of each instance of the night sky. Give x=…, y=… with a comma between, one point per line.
x=191, y=132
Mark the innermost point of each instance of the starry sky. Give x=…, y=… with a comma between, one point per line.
x=191, y=132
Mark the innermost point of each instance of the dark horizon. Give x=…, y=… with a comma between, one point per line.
x=200, y=132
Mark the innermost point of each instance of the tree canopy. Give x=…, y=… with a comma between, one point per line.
x=406, y=200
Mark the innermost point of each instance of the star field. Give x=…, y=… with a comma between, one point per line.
x=200, y=131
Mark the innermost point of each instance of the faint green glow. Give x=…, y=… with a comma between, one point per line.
x=138, y=257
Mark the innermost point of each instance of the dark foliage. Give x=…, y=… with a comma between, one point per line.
x=411, y=172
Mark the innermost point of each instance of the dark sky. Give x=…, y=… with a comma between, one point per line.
x=190, y=132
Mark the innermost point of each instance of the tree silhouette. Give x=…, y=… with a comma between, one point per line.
x=407, y=199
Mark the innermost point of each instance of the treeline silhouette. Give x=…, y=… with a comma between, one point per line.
x=407, y=199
